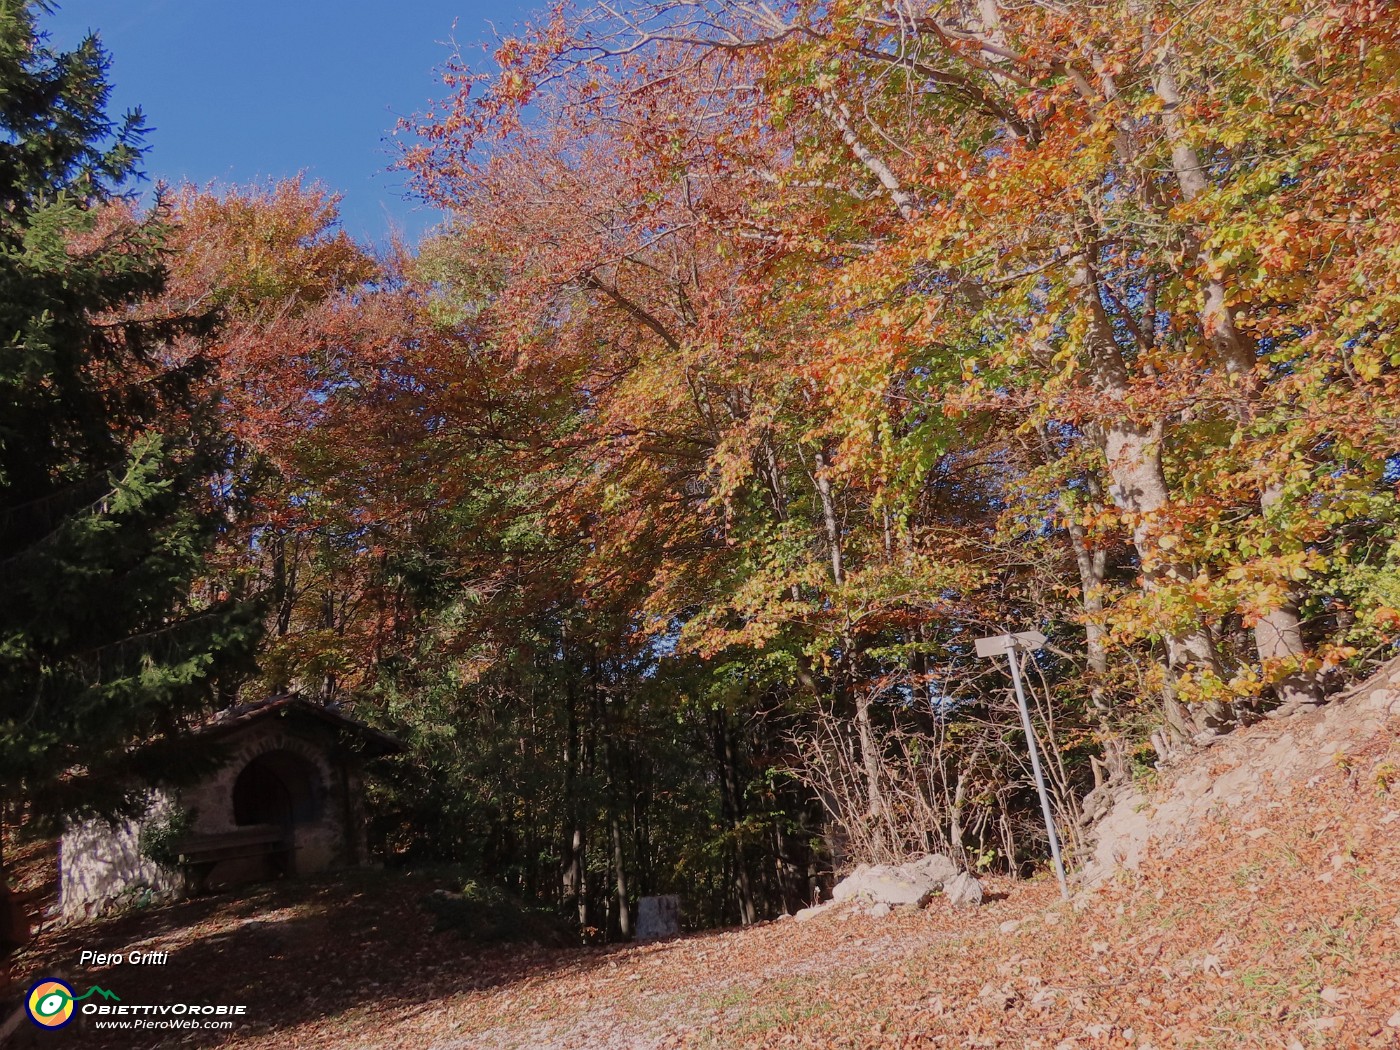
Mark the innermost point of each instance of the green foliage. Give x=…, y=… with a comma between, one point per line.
x=488, y=915
x=109, y=448
x=159, y=838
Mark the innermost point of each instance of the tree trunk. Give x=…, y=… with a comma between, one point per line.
x=732, y=803
x=624, y=914
x=955, y=817
x=612, y=768
x=1091, y=566
x=1138, y=486
x=1277, y=636
x=830, y=520
x=840, y=116
x=573, y=881
x=869, y=749
x=870, y=760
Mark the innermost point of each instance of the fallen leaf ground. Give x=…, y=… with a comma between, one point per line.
x=1278, y=927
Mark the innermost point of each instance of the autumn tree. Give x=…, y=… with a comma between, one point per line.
x=644, y=266
x=880, y=319
x=302, y=330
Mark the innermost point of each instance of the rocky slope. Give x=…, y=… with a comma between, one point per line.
x=1248, y=775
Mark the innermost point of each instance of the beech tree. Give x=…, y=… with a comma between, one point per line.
x=772, y=354
x=927, y=307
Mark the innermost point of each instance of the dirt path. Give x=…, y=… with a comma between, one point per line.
x=354, y=963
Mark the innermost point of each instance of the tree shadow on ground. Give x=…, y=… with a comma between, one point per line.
x=295, y=952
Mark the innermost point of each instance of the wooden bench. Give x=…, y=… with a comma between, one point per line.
x=199, y=854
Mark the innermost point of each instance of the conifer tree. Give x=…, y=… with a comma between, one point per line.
x=110, y=448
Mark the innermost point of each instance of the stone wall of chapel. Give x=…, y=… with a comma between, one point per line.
x=101, y=868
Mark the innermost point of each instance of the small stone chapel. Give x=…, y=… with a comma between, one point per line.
x=287, y=800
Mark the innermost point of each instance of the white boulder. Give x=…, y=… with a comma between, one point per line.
x=909, y=885
x=903, y=886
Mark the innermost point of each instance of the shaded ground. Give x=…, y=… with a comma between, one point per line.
x=1276, y=925
x=353, y=961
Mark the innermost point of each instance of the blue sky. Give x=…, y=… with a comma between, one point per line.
x=238, y=90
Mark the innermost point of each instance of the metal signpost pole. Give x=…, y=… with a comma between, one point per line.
x=1035, y=769
x=1008, y=644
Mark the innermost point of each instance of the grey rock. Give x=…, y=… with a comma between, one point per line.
x=883, y=884
x=935, y=866
x=909, y=885
x=963, y=891
x=658, y=917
